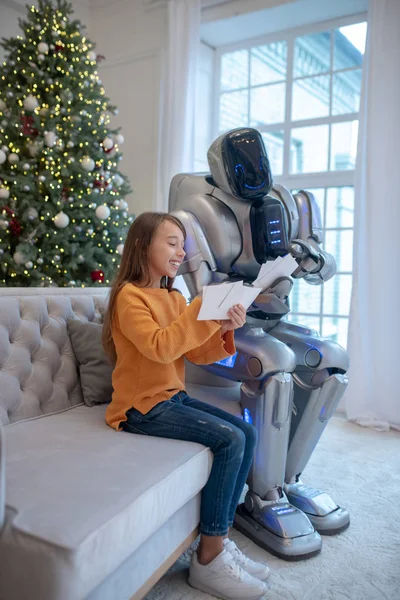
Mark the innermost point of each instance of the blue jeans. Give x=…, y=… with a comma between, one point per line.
x=231, y=440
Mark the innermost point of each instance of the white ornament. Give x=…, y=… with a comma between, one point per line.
x=38, y=27
x=102, y=212
x=18, y=257
x=118, y=180
x=29, y=264
x=3, y=157
x=81, y=259
x=50, y=138
x=92, y=55
x=33, y=148
x=54, y=33
x=9, y=94
x=119, y=138
x=90, y=231
x=70, y=144
x=5, y=149
x=3, y=224
x=43, y=48
x=26, y=166
x=40, y=261
x=123, y=205
x=61, y=220
x=116, y=203
x=26, y=188
x=2, y=105
x=87, y=163
x=71, y=283
x=4, y=194
x=13, y=158
x=32, y=213
x=30, y=102
x=42, y=178
x=41, y=57
x=107, y=143
x=120, y=249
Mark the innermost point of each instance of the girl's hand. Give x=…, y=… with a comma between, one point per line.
x=237, y=318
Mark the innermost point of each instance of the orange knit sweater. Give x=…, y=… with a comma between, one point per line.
x=153, y=330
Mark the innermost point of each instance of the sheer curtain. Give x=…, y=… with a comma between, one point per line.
x=178, y=96
x=373, y=395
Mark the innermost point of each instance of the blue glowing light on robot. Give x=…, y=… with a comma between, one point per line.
x=247, y=416
x=239, y=168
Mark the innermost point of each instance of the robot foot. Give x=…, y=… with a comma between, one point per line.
x=278, y=527
x=326, y=516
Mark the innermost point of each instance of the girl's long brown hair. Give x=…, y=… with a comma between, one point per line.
x=134, y=267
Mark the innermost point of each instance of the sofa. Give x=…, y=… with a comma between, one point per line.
x=85, y=512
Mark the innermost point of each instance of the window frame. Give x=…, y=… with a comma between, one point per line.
x=335, y=178
x=310, y=180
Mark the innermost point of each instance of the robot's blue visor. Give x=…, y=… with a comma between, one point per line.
x=247, y=164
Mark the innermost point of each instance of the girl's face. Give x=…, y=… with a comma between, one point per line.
x=166, y=252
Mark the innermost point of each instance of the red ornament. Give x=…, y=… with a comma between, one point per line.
x=59, y=47
x=97, y=276
x=27, y=126
x=107, y=151
x=101, y=183
x=15, y=225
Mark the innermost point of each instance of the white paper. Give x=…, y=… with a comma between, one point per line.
x=270, y=272
x=218, y=299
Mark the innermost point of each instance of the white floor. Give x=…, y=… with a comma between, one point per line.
x=360, y=469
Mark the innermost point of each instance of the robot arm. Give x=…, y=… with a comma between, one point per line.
x=315, y=265
x=199, y=264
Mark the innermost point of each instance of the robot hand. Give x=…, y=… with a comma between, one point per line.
x=316, y=266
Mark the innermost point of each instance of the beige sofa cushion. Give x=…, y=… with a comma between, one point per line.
x=85, y=497
x=38, y=370
x=94, y=367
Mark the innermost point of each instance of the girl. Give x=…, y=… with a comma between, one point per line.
x=148, y=330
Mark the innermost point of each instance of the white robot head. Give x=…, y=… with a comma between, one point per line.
x=239, y=164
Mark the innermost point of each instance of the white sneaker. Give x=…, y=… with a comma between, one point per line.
x=225, y=579
x=255, y=569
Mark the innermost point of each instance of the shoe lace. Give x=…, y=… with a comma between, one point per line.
x=240, y=556
x=234, y=570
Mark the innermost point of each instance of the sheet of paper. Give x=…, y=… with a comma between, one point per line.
x=281, y=267
x=218, y=299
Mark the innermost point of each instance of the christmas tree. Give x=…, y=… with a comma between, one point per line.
x=63, y=217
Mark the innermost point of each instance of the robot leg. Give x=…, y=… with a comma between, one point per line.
x=266, y=515
x=319, y=384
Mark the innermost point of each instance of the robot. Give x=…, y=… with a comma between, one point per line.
x=291, y=379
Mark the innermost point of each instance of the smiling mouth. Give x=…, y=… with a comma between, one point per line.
x=175, y=264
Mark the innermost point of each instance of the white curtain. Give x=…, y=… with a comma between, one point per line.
x=178, y=95
x=373, y=395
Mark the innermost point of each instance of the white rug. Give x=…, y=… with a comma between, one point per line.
x=360, y=468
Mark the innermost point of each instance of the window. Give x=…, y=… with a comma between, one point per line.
x=301, y=89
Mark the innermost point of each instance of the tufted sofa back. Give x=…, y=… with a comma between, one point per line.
x=38, y=372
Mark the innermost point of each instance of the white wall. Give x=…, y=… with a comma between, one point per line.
x=132, y=38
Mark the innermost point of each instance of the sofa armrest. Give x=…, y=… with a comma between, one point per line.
x=2, y=477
